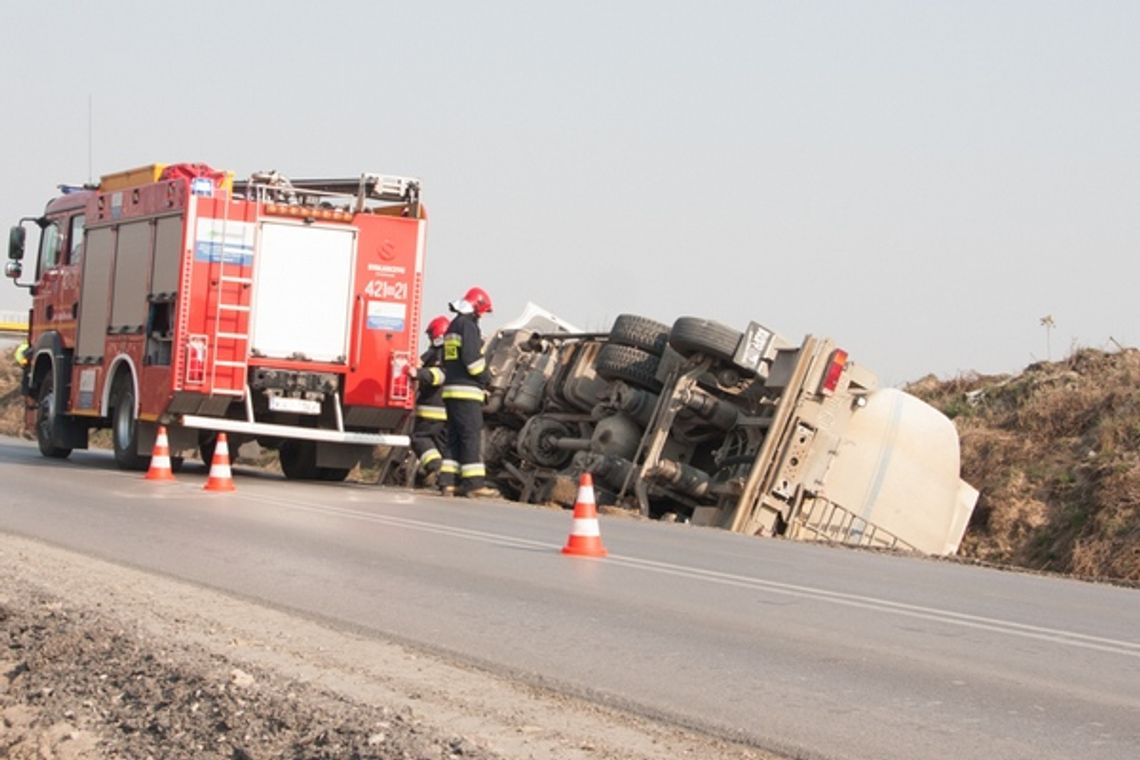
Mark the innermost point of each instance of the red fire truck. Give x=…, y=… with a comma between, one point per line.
x=275, y=310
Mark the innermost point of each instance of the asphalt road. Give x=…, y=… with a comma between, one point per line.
x=798, y=648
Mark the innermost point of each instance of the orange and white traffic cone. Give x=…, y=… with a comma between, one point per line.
x=585, y=539
x=160, y=458
x=221, y=478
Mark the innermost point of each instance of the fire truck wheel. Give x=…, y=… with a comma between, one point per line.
x=299, y=460
x=125, y=429
x=207, y=442
x=333, y=474
x=46, y=411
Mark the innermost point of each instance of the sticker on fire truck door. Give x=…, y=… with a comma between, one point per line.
x=386, y=315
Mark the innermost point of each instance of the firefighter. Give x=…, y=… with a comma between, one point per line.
x=465, y=378
x=429, y=434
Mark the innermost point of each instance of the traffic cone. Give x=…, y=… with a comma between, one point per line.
x=221, y=479
x=160, y=458
x=585, y=540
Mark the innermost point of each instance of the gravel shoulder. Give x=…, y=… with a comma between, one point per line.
x=101, y=661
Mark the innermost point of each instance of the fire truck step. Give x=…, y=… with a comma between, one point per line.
x=231, y=278
x=225, y=363
x=232, y=307
x=234, y=336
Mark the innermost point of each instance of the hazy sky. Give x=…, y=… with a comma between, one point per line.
x=921, y=181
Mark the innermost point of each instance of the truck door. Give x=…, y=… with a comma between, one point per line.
x=66, y=304
x=50, y=261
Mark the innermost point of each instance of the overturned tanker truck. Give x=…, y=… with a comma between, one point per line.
x=706, y=424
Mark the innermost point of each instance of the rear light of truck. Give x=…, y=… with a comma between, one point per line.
x=196, y=347
x=401, y=383
x=836, y=363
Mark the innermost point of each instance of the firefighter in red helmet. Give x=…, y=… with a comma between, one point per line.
x=429, y=434
x=465, y=378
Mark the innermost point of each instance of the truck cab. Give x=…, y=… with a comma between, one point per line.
x=54, y=287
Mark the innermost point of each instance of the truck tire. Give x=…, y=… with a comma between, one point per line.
x=46, y=412
x=692, y=335
x=639, y=332
x=333, y=474
x=630, y=365
x=207, y=442
x=125, y=429
x=299, y=460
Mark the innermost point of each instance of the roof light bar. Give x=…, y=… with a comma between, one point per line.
x=305, y=212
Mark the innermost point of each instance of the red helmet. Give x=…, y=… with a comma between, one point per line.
x=477, y=299
x=437, y=327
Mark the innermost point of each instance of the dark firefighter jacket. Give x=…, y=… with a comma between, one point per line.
x=464, y=368
x=429, y=394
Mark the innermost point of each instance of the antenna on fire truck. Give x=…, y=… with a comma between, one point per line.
x=90, y=174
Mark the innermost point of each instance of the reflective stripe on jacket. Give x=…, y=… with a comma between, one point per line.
x=431, y=412
x=463, y=392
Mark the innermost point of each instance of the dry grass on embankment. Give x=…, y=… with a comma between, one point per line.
x=11, y=403
x=1055, y=452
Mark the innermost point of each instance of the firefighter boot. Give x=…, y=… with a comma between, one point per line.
x=431, y=475
x=448, y=469
x=483, y=492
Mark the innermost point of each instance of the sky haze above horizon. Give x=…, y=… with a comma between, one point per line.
x=923, y=182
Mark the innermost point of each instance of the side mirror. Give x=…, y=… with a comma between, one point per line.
x=16, y=237
x=13, y=269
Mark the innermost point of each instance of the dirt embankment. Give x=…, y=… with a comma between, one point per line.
x=1055, y=453
x=77, y=686
x=11, y=402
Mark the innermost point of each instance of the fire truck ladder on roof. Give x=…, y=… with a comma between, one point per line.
x=238, y=342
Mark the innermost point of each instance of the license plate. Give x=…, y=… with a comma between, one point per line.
x=295, y=405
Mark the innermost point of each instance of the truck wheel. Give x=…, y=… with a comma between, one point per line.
x=207, y=442
x=125, y=430
x=46, y=411
x=692, y=335
x=631, y=365
x=299, y=460
x=639, y=332
x=333, y=474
